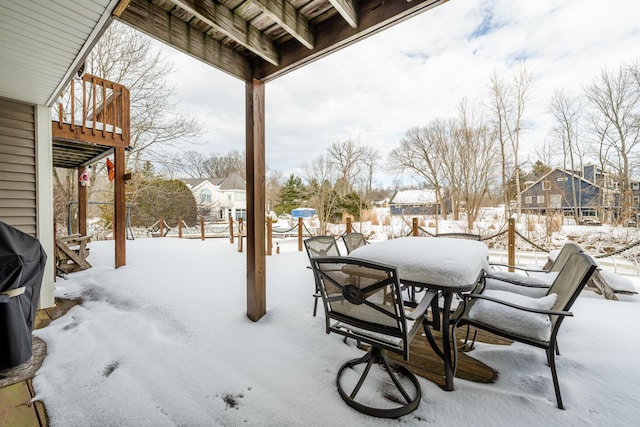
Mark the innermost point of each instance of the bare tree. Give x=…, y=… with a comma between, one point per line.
x=321, y=194
x=126, y=56
x=455, y=155
x=273, y=188
x=615, y=98
x=370, y=161
x=347, y=156
x=507, y=107
x=474, y=159
x=419, y=153
x=192, y=164
x=220, y=165
x=566, y=111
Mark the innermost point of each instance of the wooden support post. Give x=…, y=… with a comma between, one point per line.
x=414, y=227
x=240, y=233
x=202, y=227
x=349, y=229
x=82, y=203
x=511, y=243
x=269, y=236
x=231, y=229
x=255, y=172
x=161, y=225
x=300, y=233
x=180, y=227
x=120, y=209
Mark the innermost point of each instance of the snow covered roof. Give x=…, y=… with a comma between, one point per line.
x=414, y=197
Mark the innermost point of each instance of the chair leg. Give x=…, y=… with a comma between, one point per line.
x=407, y=402
x=315, y=304
x=466, y=339
x=554, y=374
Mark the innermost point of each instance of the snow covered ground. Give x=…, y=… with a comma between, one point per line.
x=165, y=341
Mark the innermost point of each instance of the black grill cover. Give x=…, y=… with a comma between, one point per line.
x=22, y=261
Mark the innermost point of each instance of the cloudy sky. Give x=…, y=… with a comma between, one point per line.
x=377, y=89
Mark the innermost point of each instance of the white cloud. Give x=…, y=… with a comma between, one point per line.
x=420, y=69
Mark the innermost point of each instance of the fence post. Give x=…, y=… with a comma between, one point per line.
x=231, y=228
x=161, y=227
x=300, y=224
x=511, y=244
x=269, y=237
x=180, y=227
x=348, y=224
x=202, y=227
x=240, y=227
x=415, y=226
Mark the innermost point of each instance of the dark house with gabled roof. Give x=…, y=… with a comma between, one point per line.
x=554, y=192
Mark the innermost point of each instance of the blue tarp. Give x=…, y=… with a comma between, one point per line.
x=303, y=212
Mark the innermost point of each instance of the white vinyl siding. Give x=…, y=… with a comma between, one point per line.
x=18, y=166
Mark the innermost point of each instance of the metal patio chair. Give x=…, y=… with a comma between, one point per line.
x=533, y=321
x=353, y=241
x=320, y=246
x=534, y=282
x=362, y=300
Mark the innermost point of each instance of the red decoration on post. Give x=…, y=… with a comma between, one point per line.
x=111, y=170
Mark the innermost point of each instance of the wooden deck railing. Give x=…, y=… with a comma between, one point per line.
x=93, y=110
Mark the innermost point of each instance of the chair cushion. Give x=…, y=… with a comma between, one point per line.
x=536, y=326
x=618, y=283
x=534, y=286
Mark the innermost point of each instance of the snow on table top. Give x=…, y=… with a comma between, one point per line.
x=441, y=262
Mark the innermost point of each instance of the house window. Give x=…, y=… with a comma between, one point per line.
x=635, y=186
x=545, y=185
x=205, y=196
x=562, y=179
x=540, y=199
x=528, y=200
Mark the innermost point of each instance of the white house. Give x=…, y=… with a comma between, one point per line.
x=220, y=198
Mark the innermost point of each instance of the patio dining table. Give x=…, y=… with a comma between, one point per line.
x=448, y=265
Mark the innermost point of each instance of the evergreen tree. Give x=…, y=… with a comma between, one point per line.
x=291, y=195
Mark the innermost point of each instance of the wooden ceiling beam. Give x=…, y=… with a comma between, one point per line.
x=160, y=24
x=347, y=10
x=334, y=34
x=233, y=26
x=284, y=14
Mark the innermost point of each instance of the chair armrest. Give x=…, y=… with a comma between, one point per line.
x=525, y=269
x=516, y=282
x=424, y=304
x=519, y=307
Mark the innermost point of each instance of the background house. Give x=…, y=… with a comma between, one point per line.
x=597, y=194
x=554, y=192
x=413, y=202
x=220, y=198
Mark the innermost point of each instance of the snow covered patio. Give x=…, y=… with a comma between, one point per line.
x=165, y=340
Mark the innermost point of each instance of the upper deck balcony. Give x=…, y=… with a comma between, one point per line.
x=91, y=118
